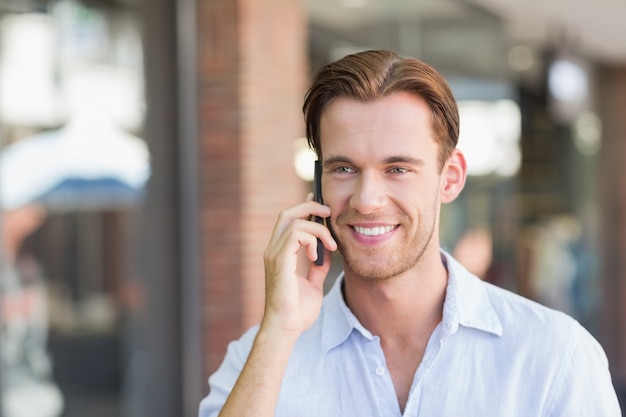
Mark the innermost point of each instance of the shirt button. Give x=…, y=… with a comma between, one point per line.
x=380, y=371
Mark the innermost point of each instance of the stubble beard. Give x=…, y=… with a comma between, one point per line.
x=406, y=256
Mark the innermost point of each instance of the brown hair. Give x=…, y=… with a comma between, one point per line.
x=373, y=74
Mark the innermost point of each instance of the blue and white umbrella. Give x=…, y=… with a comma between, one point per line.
x=82, y=166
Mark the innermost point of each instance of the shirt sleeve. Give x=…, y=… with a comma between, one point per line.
x=223, y=380
x=586, y=387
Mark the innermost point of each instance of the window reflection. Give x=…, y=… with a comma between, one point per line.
x=73, y=169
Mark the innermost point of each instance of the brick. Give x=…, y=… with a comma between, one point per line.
x=253, y=76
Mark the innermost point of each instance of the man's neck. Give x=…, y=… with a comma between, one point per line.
x=401, y=307
x=403, y=312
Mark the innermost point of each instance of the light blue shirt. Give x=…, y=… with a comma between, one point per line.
x=493, y=354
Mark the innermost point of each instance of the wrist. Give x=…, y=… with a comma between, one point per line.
x=281, y=339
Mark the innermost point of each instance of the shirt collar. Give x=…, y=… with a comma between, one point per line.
x=466, y=304
x=338, y=321
x=467, y=301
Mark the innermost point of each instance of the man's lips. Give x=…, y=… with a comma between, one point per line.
x=374, y=230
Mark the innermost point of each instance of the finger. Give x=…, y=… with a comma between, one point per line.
x=301, y=211
x=297, y=247
x=319, y=231
x=317, y=273
x=297, y=234
x=301, y=233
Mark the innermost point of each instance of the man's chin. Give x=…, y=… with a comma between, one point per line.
x=371, y=267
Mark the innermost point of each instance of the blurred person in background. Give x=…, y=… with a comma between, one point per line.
x=28, y=388
x=474, y=250
x=406, y=329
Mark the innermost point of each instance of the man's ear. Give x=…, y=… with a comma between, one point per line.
x=453, y=177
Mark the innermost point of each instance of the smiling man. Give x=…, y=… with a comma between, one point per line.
x=405, y=330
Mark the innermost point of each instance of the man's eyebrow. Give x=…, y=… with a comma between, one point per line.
x=333, y=160
x=404, y=160
x=339, y=159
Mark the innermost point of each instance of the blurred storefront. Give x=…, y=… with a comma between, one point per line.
x=73, y=170
x=184, y=117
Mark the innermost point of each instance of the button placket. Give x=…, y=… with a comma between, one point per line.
x=433, y=348
x=384, y=390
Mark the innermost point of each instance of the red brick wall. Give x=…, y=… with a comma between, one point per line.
x=253, y=75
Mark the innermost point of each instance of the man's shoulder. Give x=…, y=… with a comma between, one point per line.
x=239, y=349
x=477, y=298
x=509, y=304
x=523, y=318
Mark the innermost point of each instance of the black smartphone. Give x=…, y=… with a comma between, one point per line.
x=317, y=196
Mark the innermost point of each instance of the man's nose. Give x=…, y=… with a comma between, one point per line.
x=369, y=194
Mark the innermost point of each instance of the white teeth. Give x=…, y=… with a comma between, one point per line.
x=373, y=231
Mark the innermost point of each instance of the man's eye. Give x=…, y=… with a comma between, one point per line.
x=344, y=170
x=398, y=170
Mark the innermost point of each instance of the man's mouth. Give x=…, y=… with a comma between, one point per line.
x=374, y=231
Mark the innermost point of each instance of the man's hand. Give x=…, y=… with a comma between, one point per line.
x=293, y=283
x=293, y=294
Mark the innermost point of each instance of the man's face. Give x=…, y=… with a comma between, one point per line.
x=383, y=183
